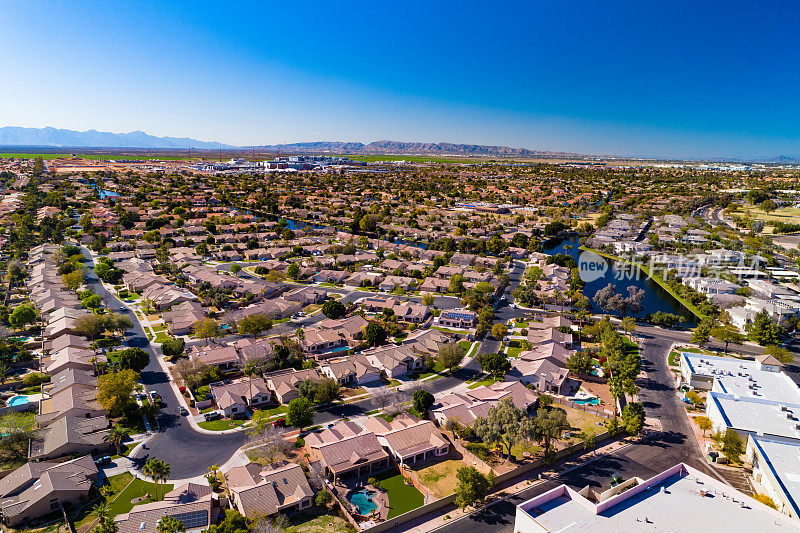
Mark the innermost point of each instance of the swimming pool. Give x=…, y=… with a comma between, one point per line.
x=587, y=401
x=363, y=500
x=17, y=400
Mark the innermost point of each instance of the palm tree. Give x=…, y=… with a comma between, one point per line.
x=164, y=471
x=169, y=524
x=152, y=470
x=115, y=437
x=250, y=370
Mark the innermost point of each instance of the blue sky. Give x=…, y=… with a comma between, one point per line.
x=671, y=79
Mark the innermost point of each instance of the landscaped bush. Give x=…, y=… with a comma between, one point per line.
x=479, y=449
x=35, y=378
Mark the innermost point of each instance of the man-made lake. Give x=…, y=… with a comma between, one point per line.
x=655, y=297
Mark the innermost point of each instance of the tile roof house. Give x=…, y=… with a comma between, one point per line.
x=346, y=450
x=395, y=360
x=77, y=401
x=468, y=406
x=37, y=489
x=70, y=435
x=224, y=357
x=190, y=503
x=354, y=370
x=408, y=439
x=235, y=398
x=283, y=383
x=259, y=491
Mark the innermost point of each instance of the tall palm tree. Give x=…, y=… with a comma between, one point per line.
x=164, y=472
x=150, y=470
x=115, y=437
x=249, y=370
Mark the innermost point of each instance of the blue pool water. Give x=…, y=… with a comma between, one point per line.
x=587, y=401
x=363, y=500
x=17, y=400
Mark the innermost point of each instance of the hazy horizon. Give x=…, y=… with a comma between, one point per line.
x=680, y=81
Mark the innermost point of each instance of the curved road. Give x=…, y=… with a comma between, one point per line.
x=188, y=452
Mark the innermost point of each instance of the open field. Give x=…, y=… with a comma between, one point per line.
x=783, y=214
x=440, y=477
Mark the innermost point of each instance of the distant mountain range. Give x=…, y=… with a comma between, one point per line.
x=409, y=148
x=60, y=138
x=55, y=138
x=52, y=137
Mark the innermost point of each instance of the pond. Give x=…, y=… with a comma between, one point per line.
x=655, y=297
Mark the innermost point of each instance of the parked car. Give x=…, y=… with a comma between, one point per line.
x=104, y=460
x=281, y=422
x=211, y=415
x=154, y=396
x=182, y=411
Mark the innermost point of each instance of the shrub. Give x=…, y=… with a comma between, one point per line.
x=35, y=378
x=524, y=332
x=299, y=443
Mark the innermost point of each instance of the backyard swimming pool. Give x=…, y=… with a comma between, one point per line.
x=363, y=500
x=587, y=401
x=17, y=400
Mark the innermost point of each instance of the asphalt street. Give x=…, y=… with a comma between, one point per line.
x=654, y=454
x=187, y=451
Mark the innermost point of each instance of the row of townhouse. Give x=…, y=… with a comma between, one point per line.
x=70, y=420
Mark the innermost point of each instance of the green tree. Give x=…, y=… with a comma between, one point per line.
x=374, y=334
x=300, y=413
x=232, y=523
x=701, y=334
x=236, y=268
x=38, y=166
x=21, y=316
x=133, y=359
x=254, y=324
x=727, y=334
x=780, y=353
x=633, y=418
x=323, y=498
x=456, y=284
x=472, y=486
x=173, y=347
x=73, y=280
x=423, y=400
x=732, y=445
x=333, y=309
x=580, y=363
x=293, y=270
x=628, y=325
x=502, y=425
x=499, y=330
x=763, y=330
x=549, y=425
x=327, y=391
x=114, y=391
x=450, y=356
x=494, y=363
x=207, y=328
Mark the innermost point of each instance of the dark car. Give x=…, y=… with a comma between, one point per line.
x=183, y=411
x=213, y=415
x=104, y=460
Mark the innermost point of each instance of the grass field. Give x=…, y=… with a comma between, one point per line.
x=402, y=497
x=783, y=214
x=486, y=381
x=137, y=488
x=221, y=425
x=440, y=478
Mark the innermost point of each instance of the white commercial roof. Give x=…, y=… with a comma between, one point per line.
x=744, y=378
x=783, y=460
x=679, y=499
x=756, y=415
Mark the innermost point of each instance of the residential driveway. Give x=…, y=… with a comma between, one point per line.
x=188, y=452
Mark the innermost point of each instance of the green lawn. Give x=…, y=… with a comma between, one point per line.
x=519, y=450
x=674, y=358
x=402, y=497
x=514, y=352
x=161, y=337
x=221, y=425
x=137, y=488
x=87, y=515
x=465, y=345
x=272, y=411
x=486, y=381
x=159, y=327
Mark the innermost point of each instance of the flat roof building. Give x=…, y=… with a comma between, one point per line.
x=776, y=468
x=678, y=499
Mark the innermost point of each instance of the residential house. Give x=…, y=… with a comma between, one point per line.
x=190, y=503
x=257, y=491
